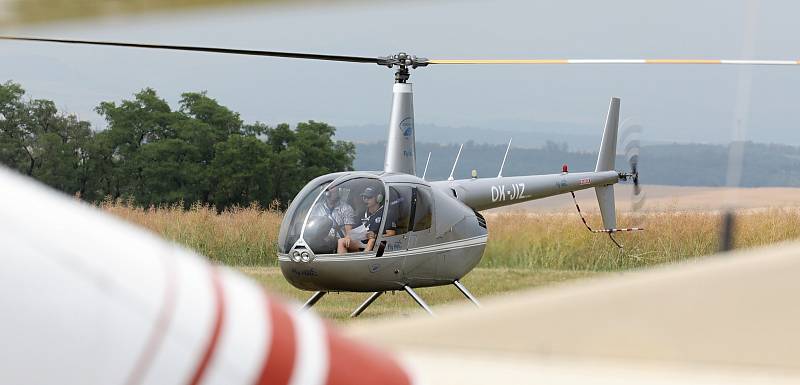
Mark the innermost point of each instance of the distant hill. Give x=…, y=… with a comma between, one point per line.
x=666, y=164
x=528, y=136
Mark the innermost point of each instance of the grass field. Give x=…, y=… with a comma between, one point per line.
x=525, y=249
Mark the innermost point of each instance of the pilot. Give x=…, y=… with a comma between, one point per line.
x=340, y=213
x=373, y=216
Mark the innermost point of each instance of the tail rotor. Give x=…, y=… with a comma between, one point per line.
x=631, y=137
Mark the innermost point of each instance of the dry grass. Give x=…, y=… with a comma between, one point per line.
x=246, y=236
x=559, y=241
x=241, y=236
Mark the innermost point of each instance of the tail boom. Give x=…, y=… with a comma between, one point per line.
x=488, y=193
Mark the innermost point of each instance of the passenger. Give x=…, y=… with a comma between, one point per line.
x=341, y=214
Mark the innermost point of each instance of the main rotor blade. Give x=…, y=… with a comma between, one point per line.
x=294, y=55
x=613, y=61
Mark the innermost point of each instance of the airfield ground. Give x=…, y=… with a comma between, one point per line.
x=482, y=282
x=537, y=243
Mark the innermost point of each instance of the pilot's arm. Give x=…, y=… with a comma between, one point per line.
x=391, y=223
x=370, y=241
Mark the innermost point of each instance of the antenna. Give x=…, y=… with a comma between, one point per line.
x=456, y=162
x=426, y=165
x=500, y=173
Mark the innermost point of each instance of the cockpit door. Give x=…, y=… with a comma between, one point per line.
x=397, y=211
x=408, y=214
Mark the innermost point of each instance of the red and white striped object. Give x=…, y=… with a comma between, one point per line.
x=89, y=299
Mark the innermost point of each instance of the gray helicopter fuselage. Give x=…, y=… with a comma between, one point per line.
x=440, y=252
x=445, y=251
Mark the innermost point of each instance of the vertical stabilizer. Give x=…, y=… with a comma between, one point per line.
x=400, y=147
x=605, y=198
x=605, y=162
x=608, y=147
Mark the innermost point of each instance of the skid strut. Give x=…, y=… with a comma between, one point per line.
x=314, y=299
x=418, y=299
x=466, y=293
x=366, y=304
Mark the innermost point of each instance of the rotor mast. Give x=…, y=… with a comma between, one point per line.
x=401, y=154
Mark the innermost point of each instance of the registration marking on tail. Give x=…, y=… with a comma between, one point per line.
x=514, y=191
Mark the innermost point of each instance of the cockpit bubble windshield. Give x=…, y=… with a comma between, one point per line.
x=292, y=225
x=341, y=212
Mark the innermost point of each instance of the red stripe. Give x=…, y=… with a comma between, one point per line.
x=163, y=320
x=280, y=358
x=352, y=363
x=219, y=297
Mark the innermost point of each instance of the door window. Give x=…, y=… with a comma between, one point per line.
x=401, y=199
x=423, y=205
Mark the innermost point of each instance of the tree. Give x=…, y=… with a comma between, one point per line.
x=319, y=154
x=241, y=170
x=285, y=163
x=132, y=124
x=40, y=142
x=170, y=173
x=224, y=122
x=15, y=137
x=201, y=152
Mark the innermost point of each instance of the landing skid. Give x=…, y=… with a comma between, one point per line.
x=418, y=299
x=377, y=294
x=314, y=299
x=466, y=293
x=366, y=304
x=360, y=309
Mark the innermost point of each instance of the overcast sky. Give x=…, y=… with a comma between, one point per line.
x=677, y=103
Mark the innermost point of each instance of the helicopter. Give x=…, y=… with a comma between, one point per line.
x=437, y=235
x=416, y=233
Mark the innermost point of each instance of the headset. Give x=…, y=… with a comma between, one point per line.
x=328, y=194
x=379, y=197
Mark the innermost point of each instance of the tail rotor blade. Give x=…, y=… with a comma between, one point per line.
x=631, y=134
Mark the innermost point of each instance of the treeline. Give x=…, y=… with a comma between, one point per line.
x=668, y=164
x=154, y=155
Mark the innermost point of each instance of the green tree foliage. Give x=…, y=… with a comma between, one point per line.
x=38, y=141
x=241, y=171
x=201, y=152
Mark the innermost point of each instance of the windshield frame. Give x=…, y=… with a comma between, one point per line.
x=290, y=212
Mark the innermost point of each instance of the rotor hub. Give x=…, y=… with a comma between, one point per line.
x=404, y=62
